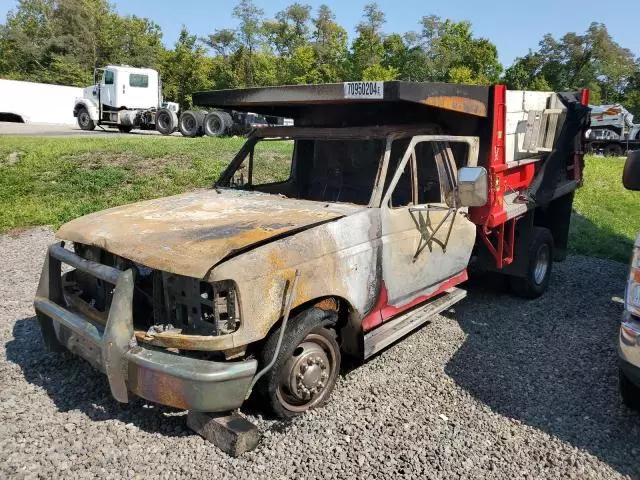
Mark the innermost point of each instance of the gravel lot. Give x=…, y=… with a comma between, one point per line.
x=500, y=388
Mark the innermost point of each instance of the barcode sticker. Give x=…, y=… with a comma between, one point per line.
x=364, y=90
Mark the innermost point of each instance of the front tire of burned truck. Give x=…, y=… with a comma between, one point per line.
x=306, y=368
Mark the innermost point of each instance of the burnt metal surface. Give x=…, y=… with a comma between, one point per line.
x=158, y=376
x=298, y=101
x=188, y=234
x=255, y=241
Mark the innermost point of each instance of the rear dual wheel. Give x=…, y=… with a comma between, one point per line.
x=217, y=124
x=307, y=366
x=166, y=121
x=191, y=123
x=538, y=246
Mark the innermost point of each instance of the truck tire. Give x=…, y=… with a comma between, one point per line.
x=217, y=124
x=228, y=120
x=191, y=123
x=628, y=391
x=125, y=128
x=539, y=247
x=306, y=368
x=84, y=119
x=166, y=121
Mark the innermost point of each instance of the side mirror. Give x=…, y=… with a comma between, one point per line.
x=631, y=172
x=473, y=187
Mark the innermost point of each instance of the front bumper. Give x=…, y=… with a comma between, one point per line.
x=629, y=346
x=155, y=375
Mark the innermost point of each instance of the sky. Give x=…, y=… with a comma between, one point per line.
x=514, y=26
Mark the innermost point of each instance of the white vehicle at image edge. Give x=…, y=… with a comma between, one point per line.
x=629, y=342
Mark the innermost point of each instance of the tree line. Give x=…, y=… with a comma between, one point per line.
x=62, y=41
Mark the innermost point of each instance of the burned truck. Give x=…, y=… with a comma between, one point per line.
x=334, y=237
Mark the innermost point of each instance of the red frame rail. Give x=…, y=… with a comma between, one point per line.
x=496, y=231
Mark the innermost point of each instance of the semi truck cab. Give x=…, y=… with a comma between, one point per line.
x=123, y=97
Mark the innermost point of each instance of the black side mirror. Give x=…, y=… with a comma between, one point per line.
x=631, y=173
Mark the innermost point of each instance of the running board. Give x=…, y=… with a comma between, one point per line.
x=395, y=329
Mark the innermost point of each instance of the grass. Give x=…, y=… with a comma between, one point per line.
x=606, y=217
x=48, y=181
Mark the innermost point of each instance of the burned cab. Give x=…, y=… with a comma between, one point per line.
x=336, y=236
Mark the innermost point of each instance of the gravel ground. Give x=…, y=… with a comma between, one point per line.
x=498, y=388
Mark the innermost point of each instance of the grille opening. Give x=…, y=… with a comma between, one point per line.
x=161, y=298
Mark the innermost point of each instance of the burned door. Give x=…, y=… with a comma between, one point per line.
x=426, y=238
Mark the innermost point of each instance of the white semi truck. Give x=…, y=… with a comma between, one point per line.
x=130, y=98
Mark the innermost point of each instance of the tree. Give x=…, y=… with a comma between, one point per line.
x=62, y=41
x=632, y=94
x=290, y=30
x=222, y=41
x=452, y=51
x=404, y=54
x=249, y=35
x=185, y=69
x=368, y=48
x=592, y=60
x=379, y=72
x=330, y=46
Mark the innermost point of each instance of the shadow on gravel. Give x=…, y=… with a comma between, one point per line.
x=551, y=363
x=73, y=384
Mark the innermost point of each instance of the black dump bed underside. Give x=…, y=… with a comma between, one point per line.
x=331, y=103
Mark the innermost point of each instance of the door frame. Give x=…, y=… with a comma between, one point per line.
x=448, y=207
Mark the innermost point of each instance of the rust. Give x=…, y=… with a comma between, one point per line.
x=187, y=342
x=234, y=353
x=188, y=234
x=329, y=303
x=458, y=104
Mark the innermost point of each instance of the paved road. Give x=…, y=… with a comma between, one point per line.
x=9, y=128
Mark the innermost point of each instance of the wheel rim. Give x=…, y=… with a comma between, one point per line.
x=83, y=118
x=163, y=122
x=189, y=123
x=542, y=264
x=307, y=377
x=214, y=125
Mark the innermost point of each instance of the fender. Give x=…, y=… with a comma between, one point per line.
x=90, y=105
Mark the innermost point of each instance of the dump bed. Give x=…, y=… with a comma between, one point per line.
x=303, y=101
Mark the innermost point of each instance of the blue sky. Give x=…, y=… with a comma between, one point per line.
x=514, y=26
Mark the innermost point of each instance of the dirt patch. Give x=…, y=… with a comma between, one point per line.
x=128, y=161
x=16, y=232
x=12, y=159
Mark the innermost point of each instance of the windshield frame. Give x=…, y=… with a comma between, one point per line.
x=386, y=132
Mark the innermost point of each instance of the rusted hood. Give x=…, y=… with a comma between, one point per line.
x=187, y=234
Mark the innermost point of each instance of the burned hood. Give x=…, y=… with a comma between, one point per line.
x=188, y=234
